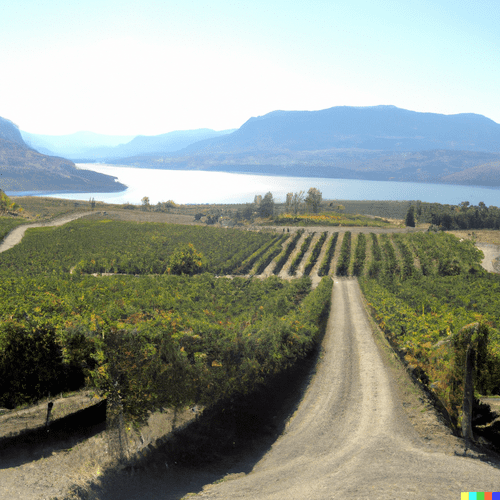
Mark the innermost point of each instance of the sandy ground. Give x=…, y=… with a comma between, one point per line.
x=491, y=261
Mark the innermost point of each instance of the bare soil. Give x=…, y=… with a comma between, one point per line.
x=491, y=261
x=32, y=417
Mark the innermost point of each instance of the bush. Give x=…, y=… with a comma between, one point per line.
x=186, y=261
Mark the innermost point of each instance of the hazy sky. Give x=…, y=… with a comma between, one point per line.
x=150, y=67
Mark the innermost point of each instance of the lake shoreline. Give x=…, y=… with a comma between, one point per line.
x=213, y=187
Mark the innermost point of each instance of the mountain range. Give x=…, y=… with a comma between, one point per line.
x=372, y=143
x=84, y=147
x=24, y=169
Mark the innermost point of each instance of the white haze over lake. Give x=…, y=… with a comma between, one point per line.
x=197, y=187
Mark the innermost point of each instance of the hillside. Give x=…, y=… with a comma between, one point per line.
x=373, y=143
x=382, y=128
x=24, y=169
x=72, y=145
x=88, y=147
x=483, y=175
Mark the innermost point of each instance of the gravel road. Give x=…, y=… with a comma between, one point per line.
x=16, y=235
x=350, y=437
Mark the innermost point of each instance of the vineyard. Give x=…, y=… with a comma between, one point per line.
x=154, y=332
x=106, y=246
x=167, y=340
x=167, y=332
x=426, y=292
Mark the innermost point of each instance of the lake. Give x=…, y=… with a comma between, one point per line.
x=187, y=186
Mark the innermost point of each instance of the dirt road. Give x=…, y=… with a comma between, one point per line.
x=350, y=437
x=16, y=235
x=491, y=261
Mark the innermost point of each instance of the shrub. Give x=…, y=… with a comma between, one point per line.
x=186, y=261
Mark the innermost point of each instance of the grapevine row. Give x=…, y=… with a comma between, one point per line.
x=345, y=255
x=267, y=258
x=324, y=268
x=315, y=253
x=284, y=256
x=359, y=255
x=298, y=258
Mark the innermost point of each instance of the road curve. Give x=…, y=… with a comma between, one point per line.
x=16, y=235
x=350, y=437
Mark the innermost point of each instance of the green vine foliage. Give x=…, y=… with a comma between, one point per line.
x=324, y=267
x=285, y=254
x=424, y=298
x=298, y=258
x=315, y=253
x=359, y=255
x=345, y=255
x=153, y=341
x=105, y=246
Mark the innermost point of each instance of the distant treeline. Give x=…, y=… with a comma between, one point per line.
x=462, y=216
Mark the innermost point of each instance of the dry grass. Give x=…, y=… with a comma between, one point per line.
x=41, y=208
x=490, y=236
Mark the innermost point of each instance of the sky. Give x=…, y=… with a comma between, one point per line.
x=150, y=67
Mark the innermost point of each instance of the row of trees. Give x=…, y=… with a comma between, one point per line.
x=461, y=216
x=294, y=202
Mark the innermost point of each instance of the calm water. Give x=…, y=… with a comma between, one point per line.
x=217, y=187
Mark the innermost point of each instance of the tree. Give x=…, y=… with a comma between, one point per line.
x=266, y=208
x=296, y=201
x=314, y=198
x=145, y=203
x=410, y=217
x=464, y=206
x=446, y=221
x=248, y=212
